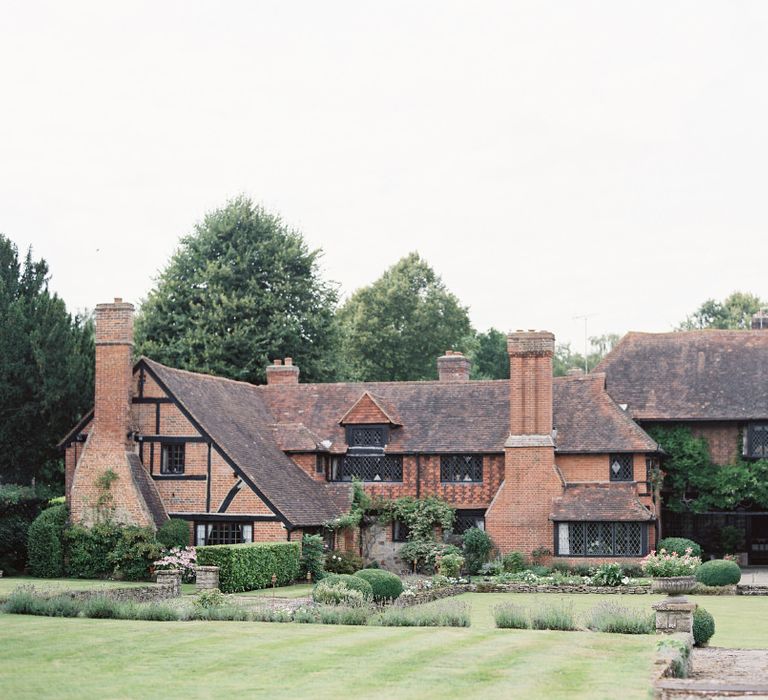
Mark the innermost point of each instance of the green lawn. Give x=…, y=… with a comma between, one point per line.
x=736, y=617
x=78, y=658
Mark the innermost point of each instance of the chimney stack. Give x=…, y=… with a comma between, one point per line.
x=113, y=380
x=453, y=367
x=108, y=449
x=518, y=518
x=279, y=373
x=530, y=382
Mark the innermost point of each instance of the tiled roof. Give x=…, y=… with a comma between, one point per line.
x=588, y=420
x=148, y=490
x=462, y=416
x=692, y=375
x=603, y=502
x=234, y=415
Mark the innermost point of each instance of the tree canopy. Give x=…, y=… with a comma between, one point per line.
x=240, y=291
x=488, y=353
x=395, y=328
x=566, y=358
x=734, y=312
x=46, y=370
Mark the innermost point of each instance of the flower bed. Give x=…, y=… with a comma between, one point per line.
x=429, y=594
x=495, y=587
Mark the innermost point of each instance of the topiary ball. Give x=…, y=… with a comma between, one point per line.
x=385, y=585
x=352, y=582
x=703, y=627
x=679, y=545
x=718, y=572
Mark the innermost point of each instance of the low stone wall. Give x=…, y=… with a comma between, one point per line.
x=431, y=594
x=673, y=659
x=491, y=587
x=751, y=589
x=139, y=594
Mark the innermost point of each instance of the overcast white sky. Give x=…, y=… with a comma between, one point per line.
x=549, y=159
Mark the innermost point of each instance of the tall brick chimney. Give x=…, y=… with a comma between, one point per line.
x=279, y=373
x=109, y=481
x=453, y=367
x=518, y=518
x=760, y=320
x=114, y=347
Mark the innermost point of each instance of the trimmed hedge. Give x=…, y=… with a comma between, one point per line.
x=45, y=543
x=718, y=572
x=174, y=533
x=703, y=627
x=19, y=506
x=246, y=567
x=679, y=545
x=352, y=582
x=385, y=585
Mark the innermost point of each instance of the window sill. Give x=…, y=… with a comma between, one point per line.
x=179, y=477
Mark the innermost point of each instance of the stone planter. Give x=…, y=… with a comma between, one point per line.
x=674, y=586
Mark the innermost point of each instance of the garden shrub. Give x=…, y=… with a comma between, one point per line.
x=353, y=582
x=312, y=557
x=703, y=627
x=89, y=549
x=182, y=558
x=246, y=567
x=343, y=562
x=514, y=562
x=157, y=612
x=174, y=533
x=270, y=615
x=539, y=570
x=338, y=593
x=19, y=506
x=718, y=572
x=26, y=600
x=509, y=616
x=450, y=565
x=607, y=575
x=632, y=570
x=134, y=552
x=443, y=614
x=492, y=568
x=477, y=548
x=611, y=617
x=332, y=615
x=212, y=598
x=102, y=607
x=553, y=617
x=45, y=543
x=678, y=545
x=384, y=584
x=226, y=613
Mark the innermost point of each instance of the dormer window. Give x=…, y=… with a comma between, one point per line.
x=368, y=438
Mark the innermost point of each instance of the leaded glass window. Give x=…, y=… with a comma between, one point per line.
x=757, y=441
x=369, y=468
x=172, y=458
x=466, y=519
x=621, y=467
x=599, y=539
x=367, y=436
x=461, y=468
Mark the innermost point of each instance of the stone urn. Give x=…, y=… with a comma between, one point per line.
x=674, y=586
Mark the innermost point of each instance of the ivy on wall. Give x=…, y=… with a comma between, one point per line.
x=694, y=483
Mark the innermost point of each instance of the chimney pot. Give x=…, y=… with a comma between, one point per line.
x=277, y=362
x=288, y=361
x=279, y=373
x=118, y=300
x=453, y=367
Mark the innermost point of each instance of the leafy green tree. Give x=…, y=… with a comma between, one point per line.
x=488, y=352
x=240, y=291
x=395, y=328
x=566, y=358
x=734, y=312
x=46, y=370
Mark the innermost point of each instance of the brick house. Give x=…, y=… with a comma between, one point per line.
x=539, y=462
x=714, y=382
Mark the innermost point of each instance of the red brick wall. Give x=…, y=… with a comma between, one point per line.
x=518, y=519
x=722, y=438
